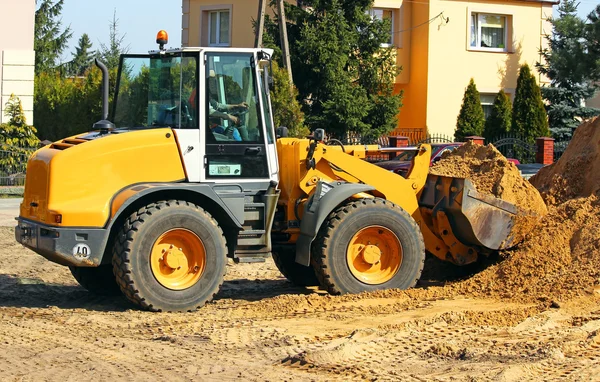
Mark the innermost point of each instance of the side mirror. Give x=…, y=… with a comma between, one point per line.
x=281, y=132
x=319, y=135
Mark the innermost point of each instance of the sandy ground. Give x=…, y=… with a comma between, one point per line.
x=262, y=328
x=9, y=209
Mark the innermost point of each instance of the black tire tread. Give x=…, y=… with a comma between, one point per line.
x=296, y=273
x=332, y=223
x=127, y=235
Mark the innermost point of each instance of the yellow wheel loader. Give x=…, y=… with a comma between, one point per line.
x=189, y=171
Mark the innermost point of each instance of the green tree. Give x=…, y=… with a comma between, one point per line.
x=343, y=75
x=569, y=63
x=471, y=119
x=17, y=132
x=592, y=43
x=286, y=108
x=498, y=123
x=67, y=106
x=50, y=40
x=529, y=118
x=111, y=53
x=83, y=56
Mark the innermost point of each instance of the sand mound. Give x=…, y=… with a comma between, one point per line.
x=561, y=257
x=577, y=172
x=493, y=174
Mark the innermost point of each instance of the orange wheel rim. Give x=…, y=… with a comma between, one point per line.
x=178, y=259
x=374, y=255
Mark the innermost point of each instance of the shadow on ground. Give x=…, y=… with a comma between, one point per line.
x=17, y=292
x=439, y=273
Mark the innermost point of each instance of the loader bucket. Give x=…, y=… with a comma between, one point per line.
x=475, y=220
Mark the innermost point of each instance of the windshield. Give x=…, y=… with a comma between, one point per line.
x=156, y=91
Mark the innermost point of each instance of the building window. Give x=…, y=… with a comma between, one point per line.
x=487, y=103
x=218, y=28
x=384, y=14
x=489, y=32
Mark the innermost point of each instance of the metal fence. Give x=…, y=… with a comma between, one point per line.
x=559, y=149
x=13, y=163
x=515, y=147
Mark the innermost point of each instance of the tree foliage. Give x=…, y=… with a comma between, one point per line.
x=111, y=53
x=343, y=75
x=83, y=56
x=499, y=121
x=17, y=132
x=571, y=64
x=68, y=106
x=50, y=40
x=17, y=138
x=529, y=118
x=471, y=120
x=592, y=41
x=286, y=108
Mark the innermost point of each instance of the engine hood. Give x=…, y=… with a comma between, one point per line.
x=77, y=177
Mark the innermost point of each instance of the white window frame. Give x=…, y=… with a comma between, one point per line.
x=490, y=104
x=477, y=47
x=218, y=27
x=392, y=34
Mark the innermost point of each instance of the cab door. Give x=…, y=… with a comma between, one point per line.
x=235, y=139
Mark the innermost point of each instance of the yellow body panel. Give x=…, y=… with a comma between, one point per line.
x=297, y=183
x=78, y=178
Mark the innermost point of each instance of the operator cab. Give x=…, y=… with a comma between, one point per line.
x=215, y=100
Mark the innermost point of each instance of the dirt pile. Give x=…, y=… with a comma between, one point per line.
x=559, y=260
x=493, y=174
x=561, y=257
x=577, y=172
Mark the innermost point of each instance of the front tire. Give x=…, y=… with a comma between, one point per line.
x=170, y=256
x=97, y=280
x=366, y=245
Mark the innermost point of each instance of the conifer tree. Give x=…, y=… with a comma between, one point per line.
x=471, y=119
x=571, y=64
x=50, y=40
x=529, y=118
x=83, y=56
x=345, y=78
x=498, y=123
x=111, y=53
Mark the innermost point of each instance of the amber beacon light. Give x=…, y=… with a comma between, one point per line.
x=162, y=38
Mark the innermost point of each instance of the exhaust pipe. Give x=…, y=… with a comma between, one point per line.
x=104, y=125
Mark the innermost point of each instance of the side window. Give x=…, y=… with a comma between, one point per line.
x=235, y=142
x=232, y=109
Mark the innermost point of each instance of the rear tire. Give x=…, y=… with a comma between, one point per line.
x=297, y=274
x=367, y=245
x=97, y=280
x=170, y=256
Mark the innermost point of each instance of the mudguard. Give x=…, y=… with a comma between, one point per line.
x=325, y=199
x=231, y=203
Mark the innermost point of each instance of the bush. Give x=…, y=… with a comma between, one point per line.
x=471, y=119
x=67, y=106
x=17, y=140
x=529, y=118
x=499, y=121
x=286, y=108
